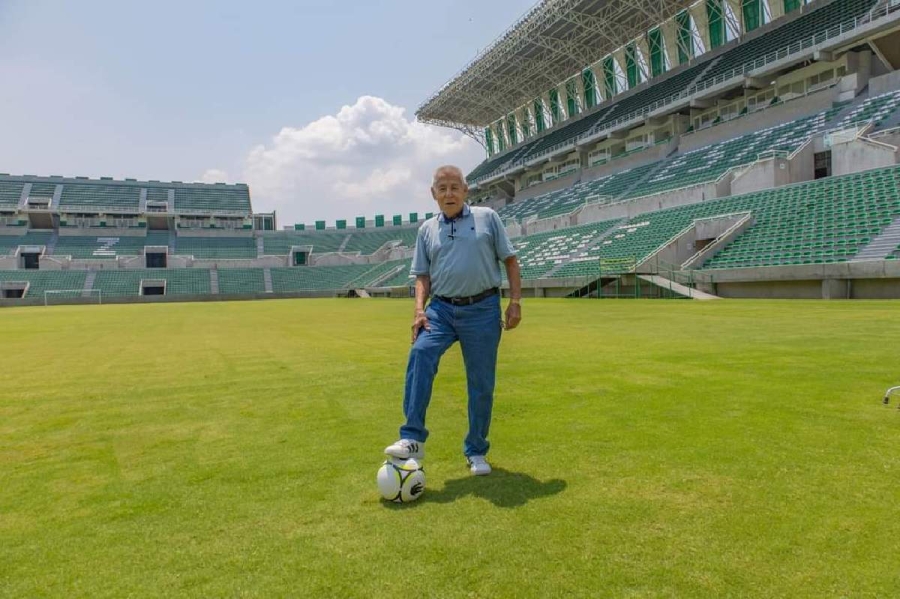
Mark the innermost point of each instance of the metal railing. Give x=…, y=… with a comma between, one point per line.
x=748, y=67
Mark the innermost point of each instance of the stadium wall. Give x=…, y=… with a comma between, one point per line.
x=862, y=154
x=651, y=154
x=884, y=83
x=770, y=117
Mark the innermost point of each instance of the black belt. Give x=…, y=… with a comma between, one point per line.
x=468, y=301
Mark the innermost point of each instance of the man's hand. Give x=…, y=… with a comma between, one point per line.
x=420, y=321
x=513, y=315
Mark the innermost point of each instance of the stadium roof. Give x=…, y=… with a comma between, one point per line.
x=552, y=41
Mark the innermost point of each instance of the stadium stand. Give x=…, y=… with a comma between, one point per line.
x=710, y=162
x=179, y=281
x=321, y=278
x=49, y=280
x=241, y=280
x=118, y=197
x=278, y=243
x=10, y=193
x=218, y=248
x=604, y=190
x=9, y=243
x=823, y=17
x=101, y=247
x=876, y=110
x=813, y=223
x=715, y=113
x=539, y=254
x=212, y=198
x=364, y=241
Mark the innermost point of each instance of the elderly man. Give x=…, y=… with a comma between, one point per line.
x=457, y=262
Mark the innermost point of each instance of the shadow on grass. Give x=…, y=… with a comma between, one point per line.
x=502, y=488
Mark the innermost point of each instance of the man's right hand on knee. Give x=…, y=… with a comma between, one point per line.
x=420, y=321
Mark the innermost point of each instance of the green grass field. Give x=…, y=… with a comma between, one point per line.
x=641, y=449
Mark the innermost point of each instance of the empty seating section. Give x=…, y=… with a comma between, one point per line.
x=875, y=110
x=98, y=247
x=216, y=248
x=179, y=281
x=321, y=278
x=401, y=277
x=654, y=92
x=743, y=53
x=367, y=241
x=826, y=221
x=564, y=134
x=10, y=193
x=805, y=26
x=9, y=243
x=278, y=243
x=94, y=195
x=364, y=241
x=108, y=246
x=564, y=201
x=157, y=194
x=212, y=198
x=378, y=273
x=241, y=280
x=708, y=163
x=540, y=253
x=42, y=190
x=45, y=280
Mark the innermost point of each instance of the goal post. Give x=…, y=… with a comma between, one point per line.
x=62, y=296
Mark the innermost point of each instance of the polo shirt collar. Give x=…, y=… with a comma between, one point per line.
x=466, y=211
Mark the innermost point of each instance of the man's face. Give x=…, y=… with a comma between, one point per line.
x=449, y=191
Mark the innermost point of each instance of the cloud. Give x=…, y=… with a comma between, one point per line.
x=214, y=175
x=367, y=159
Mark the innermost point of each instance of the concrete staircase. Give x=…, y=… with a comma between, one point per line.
x=89, y=283
x=214, y=281
x=345, y=242
x=678, y=288
x=51, y=244
x=267, y=279
x=702, y=74
x=388, y=275
x=260, y=247
x=171, y=243
x=847, y=109
x=646, y=176
x=592, y=243
x=883, y=245
x=892, y=122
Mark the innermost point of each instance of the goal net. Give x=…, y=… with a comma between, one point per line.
x=65, y=296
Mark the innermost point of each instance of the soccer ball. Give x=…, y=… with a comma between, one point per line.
x=401, y=481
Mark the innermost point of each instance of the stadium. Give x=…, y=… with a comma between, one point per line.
x=733, y=149
x=160, y=435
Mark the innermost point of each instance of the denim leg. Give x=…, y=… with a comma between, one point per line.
x=478, y=327
x=424, y=357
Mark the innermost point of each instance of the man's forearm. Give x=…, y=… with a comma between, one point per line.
x=514, y=275
x=423, y=289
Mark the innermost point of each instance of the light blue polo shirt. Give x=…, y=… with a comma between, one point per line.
x=462, y=255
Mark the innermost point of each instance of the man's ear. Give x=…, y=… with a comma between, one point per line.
x=433, y=194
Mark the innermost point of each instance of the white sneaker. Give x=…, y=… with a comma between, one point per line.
x=405, y=449
x=478, y=465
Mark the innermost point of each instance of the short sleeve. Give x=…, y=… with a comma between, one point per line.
x=502, y=245
x=421, y=265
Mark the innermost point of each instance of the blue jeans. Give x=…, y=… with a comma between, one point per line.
x=477, y=328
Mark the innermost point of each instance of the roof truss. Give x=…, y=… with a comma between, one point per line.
x=554, y=41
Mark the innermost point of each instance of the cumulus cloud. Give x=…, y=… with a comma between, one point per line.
x=367, y=159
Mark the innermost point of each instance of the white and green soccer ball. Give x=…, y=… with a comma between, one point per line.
x=401, y=481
